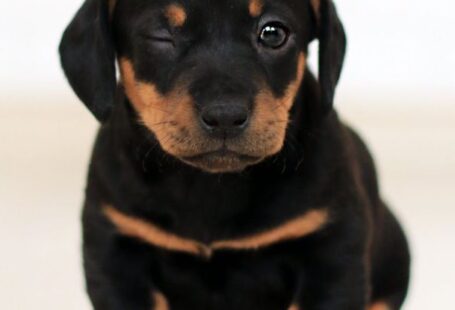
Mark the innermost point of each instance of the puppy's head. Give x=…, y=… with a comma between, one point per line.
x=214, y=81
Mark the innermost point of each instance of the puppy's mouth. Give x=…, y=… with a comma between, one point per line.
x=222, y=161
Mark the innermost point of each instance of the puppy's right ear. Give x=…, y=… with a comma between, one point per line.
x=88, y=57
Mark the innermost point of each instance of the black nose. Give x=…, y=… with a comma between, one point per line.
x=225, y=121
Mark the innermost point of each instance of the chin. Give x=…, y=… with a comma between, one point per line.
x=222, y=161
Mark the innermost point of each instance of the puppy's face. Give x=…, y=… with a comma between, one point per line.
x=214, y=81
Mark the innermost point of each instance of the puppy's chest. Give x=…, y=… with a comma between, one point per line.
x=213, y=211
x=225, y=249
x=227, y=281
x=205, y=229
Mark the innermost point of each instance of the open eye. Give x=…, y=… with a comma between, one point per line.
x=273, y=35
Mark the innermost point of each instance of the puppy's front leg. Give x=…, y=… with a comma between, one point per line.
x=335, y=280
x=117, y=278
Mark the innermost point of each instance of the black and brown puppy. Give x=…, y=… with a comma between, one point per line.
x=221, y=177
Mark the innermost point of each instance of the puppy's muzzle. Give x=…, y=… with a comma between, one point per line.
x=225, y=120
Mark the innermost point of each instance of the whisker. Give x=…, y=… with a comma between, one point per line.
x=278, y=106
x=279, y=122
x=158, y=109
x=147, y=154
x=162, y=123
x=144, y=159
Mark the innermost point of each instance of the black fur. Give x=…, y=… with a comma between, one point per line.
x=87, y=56
x=359, y=258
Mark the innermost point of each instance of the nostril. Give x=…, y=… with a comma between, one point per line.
x=240, y=121
x=224, y=120
x=210, y=121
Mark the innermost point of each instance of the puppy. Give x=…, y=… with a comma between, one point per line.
x=221, y=177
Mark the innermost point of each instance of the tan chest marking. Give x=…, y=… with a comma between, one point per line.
x=296, y=228
x=150, y=233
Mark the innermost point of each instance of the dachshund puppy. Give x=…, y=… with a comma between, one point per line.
x=221, y=177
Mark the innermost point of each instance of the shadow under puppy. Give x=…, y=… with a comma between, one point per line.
x=221, y=176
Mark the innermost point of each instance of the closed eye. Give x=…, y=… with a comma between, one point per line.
x=159, y=36
x=161, y=39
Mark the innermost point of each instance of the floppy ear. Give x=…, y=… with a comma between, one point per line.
x=88, y=57
x=332, y=47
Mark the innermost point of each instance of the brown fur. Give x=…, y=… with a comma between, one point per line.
x=294, y=307
x=294, y=229
x=138, y=228
x=270, y=118
x=379, y=306
x=316, y=4
x=160, y=302
x=256, y=7
x=176, y=15
x=172, y=119
x=152, y=234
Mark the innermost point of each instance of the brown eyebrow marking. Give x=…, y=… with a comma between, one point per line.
x=159, y=301
x=256, y=7
x=176, y=15
x=299, y=227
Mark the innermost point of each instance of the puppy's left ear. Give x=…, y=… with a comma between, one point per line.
x=88, y=57
x=332, y=48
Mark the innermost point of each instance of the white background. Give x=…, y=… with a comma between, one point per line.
x=395, y=46
x=397, y=89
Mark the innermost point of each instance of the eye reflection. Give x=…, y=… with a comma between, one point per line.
x=273, y=35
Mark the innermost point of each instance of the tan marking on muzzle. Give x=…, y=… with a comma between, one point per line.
x=299, y=227
x=294, y=307
x=288, y=99
x=176, y=15
x=167, y=116
x=255, y=7
x=173, y=120
x=271, y=115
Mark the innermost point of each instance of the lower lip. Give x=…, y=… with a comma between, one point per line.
x=223, y=154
